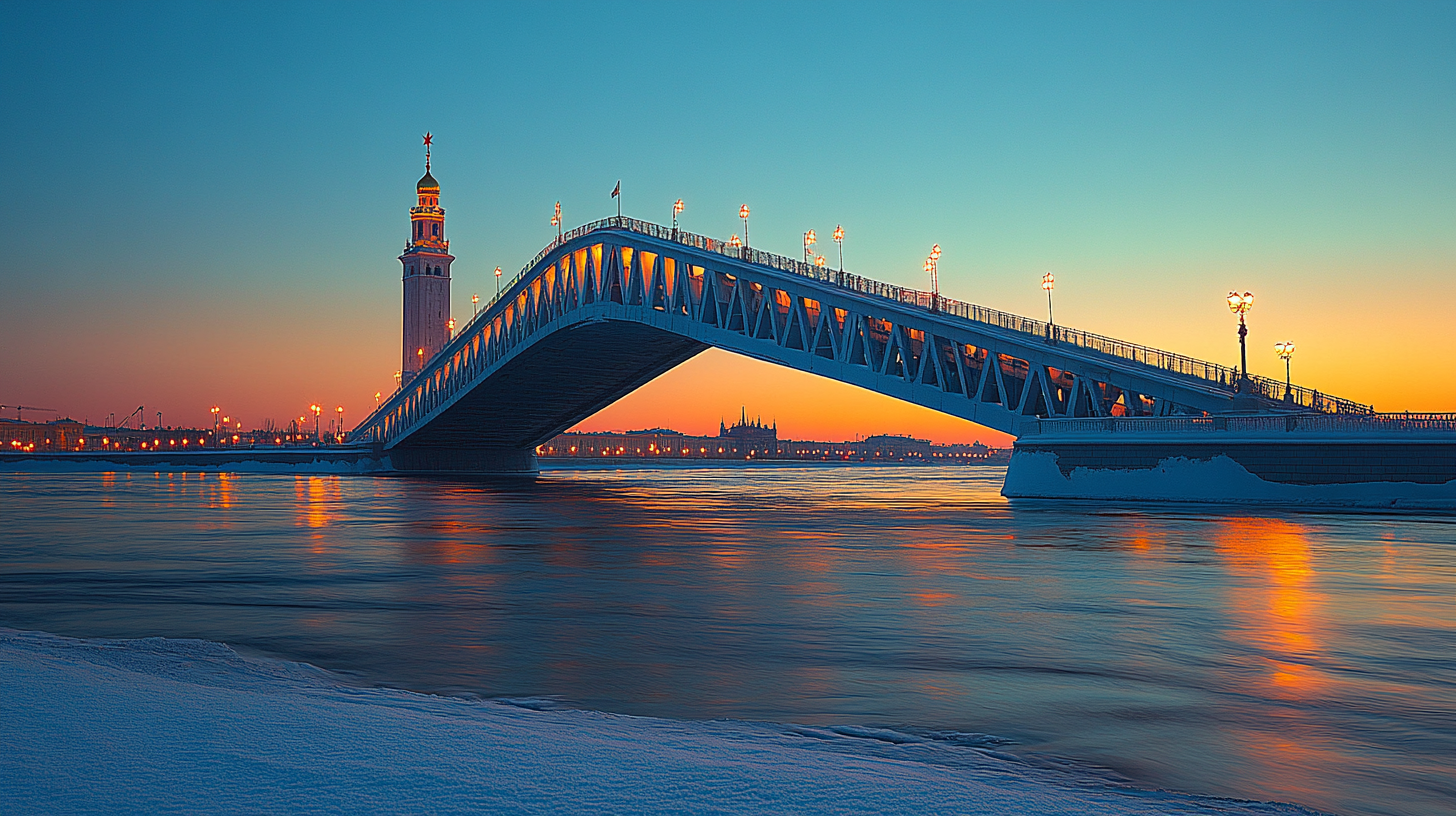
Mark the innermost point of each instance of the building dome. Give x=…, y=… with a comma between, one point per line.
x=428, y=182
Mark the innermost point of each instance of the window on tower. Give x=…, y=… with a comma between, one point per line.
x=435, y=228
x=419, y=229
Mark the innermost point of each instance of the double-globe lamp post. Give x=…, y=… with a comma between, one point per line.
x=677, y=207
x=1049, y=282
x=809, y=240
x=743, y=213
x=1285, y=350
x=1239, y=305
x=839, y=239
x=932, y=267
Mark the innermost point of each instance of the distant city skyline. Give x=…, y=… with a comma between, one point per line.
x=203, y=205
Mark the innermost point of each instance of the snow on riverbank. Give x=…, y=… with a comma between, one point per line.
x=185, y=726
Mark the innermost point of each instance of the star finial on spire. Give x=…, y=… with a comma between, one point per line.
x=428, y=138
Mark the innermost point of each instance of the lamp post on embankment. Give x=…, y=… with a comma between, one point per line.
x=1285, y=350
x=1239, y=305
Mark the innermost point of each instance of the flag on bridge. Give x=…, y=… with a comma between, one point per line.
x=617, y=194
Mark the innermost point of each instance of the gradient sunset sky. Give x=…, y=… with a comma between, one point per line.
x=202, y=204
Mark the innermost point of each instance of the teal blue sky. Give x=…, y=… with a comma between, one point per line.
x=204, y=202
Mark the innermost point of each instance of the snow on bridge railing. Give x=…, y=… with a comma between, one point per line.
x=1219, y=376
x=1267, y=423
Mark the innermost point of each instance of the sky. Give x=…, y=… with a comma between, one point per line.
x=203, y=204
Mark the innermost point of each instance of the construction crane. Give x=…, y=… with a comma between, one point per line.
x=141, y=409
x=19, y=408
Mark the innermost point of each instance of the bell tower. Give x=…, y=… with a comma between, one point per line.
x=426, y=262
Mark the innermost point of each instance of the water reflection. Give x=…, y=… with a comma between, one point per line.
x=1272, y=656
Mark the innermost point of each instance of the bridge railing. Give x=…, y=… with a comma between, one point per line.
x=1265, y=423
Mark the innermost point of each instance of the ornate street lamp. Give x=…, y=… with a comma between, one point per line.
x=215, y=409
x=556, y=222
x=1048, y=282
x=475, y=303
x=339, y=437
x=839, y=239
x=1285, y=350
x=450, y=327
x=1239, y=304
x=317, y=409
x=743, y=213
x=497, y=282
x=932, y=266
x=734, y=243
x=819, y=261
x=809, y=240
x=677, y=207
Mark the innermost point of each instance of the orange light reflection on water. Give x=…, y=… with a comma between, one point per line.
x=1278, y=613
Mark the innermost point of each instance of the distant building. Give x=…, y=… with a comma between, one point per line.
x=750, y=435
x=749, y=440
x=57, y=435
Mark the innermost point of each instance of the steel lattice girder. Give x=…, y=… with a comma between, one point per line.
x=612, y=309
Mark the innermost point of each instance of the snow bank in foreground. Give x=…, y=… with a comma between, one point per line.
x=183, y=726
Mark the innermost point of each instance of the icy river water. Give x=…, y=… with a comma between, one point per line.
x=1262, y=654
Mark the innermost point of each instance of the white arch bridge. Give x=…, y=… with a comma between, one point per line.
x=615, y=303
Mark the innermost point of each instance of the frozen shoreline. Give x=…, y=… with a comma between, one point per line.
x=186, y=726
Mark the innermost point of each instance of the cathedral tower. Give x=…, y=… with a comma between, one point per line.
x=426, y=261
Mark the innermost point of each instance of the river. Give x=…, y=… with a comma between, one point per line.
x=1261, y=654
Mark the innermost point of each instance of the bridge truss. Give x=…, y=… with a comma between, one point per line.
x=615, y=303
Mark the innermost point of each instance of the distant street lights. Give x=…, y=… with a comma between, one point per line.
x=1285, y=350
x=339, y=437
x=1239, y=305
x=317, y=409
x=677, y=207
x=556, y=222
x=475, y=304
x=215, y=409
x=497, y=281
x=809, y=240
x=743, y=213
x=450, y=327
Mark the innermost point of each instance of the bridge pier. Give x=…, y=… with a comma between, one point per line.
x=463, y=460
